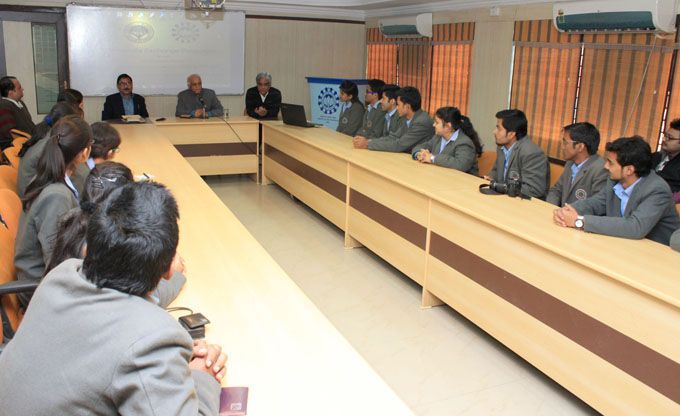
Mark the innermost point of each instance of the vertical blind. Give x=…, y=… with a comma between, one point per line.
x=438, y=67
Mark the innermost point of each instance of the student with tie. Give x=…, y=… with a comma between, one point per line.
x=393, y=125
x=455, y=144
x=374, y=117
x=351, y=111
x=49, y=196
x=636, y=203
x=584, y=174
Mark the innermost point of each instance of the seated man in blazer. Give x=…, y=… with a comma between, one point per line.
x=93, y=342
x=393, y=124
x=517, y=157
x=636, y=203
x=418, y=126
x=675, y=240
x=13, y=111
x=263, y=101
x=124, y=103
x=666, y=162
x=374, y=117
x=584, y=174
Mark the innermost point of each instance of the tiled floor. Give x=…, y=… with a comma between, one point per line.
x=434, y=359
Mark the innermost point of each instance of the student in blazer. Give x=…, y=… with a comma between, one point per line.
x=93, y=343
x=666, y=162
x=675, y=240
x=374, y=116
x=49, y=196
x=517, y=156
x=455, y=144
x=125, y=102
x=584, y=173
x=394, y=124
x=352, y=111
x=418, y=125
x=636, y=203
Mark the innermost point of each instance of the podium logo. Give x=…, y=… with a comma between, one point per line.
x=328, y=100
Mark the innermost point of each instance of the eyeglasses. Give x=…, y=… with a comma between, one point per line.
x=669, y=137
x=566, y=142
x=115, y=149
x=370, y=92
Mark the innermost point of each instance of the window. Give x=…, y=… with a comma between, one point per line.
x=438, y=67
x=46, y=65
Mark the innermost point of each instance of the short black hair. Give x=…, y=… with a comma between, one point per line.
x=132, y=239
x=634, y=151
x=105, y=138
x=6, y=85
x=71, y=96
x=376, y=85
x=514, y=120
x=121, y=76
x=410, y=96
x=350, y=88
x=585, y=133
x=675, y=124
x=390, y=91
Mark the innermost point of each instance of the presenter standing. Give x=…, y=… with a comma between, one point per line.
x=196, y=101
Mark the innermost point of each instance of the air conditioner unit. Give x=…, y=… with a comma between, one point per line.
x=407, y=27
x=619, y=15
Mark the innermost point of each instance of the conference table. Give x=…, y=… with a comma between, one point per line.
x=600, y=315
x=280, y=346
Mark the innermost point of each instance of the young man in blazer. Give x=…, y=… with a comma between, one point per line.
x=636, y=203
x=374, y=116
x=517, y=157
x=666, y=163
x=93, y=342
x=584, y=173
x=393, y=125
x=418, y=123
x=125, y=102
x=675, y=240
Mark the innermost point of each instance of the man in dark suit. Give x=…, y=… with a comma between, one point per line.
x=636, y=203
x=666, y=163
x=263, y=101
x=132, y=357
x=125, y=102
x=13, y=111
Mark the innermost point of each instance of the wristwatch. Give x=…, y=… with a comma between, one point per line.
x=579, y=222
x=431, y=158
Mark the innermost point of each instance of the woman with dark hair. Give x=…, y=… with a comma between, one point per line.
x=32, y=150
x=352, y=111
x=71, y=232
x=50, y=195
x=71, y=96
x=455, y=144
x=105, y=146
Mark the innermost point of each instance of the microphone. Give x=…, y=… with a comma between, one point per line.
x=202, y=101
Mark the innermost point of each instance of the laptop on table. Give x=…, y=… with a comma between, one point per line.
x=294, y=114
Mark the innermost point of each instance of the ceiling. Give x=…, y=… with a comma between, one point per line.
x=336, y=9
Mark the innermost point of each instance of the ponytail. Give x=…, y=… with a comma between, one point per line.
x=69, y=136
x=58, y=111
x=469, y=130
x=458, y=121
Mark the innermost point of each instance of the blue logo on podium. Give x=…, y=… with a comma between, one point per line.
x=328, y=100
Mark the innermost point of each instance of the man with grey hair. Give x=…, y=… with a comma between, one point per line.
x=196, y=101
x=263, y=101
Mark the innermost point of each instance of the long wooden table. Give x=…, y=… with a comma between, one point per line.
x=215, y=146
x=600, y=315
x=279, y=344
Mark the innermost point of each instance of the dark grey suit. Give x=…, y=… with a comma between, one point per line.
x=675, y=240
x=418, y=132
x=81, y=350
x=459, y=154
x=373, y=123
x=188, y=102
x=650, y=211
x=350, y=119
x=588, y=181
x=527, y=160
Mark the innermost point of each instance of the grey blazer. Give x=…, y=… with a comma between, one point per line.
x=37, y=230
x=650, y=211
x=529, y=161
x=350, y=119
x=188, y=102
x=588, y=181
x=418, y=132
x=373, y=122
x=81, y=350
x=459, y=154
x=675, y=240
x=28, y=165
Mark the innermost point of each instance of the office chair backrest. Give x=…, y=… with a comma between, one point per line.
x=8, y=177
x=486, y=161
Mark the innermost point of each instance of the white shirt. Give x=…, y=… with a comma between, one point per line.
x=264, y=97
x=17, y=103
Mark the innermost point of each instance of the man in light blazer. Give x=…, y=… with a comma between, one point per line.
x=125, y=102
x=418, y=129
x=584, y=174
x=394, y=124
x=93, y=342
x=636, y=203
x=517, y=157
x=374, y=116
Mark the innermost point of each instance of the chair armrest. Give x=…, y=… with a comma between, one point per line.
x=18, y=287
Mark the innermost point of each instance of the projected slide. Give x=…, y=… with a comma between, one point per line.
x=158, y=48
